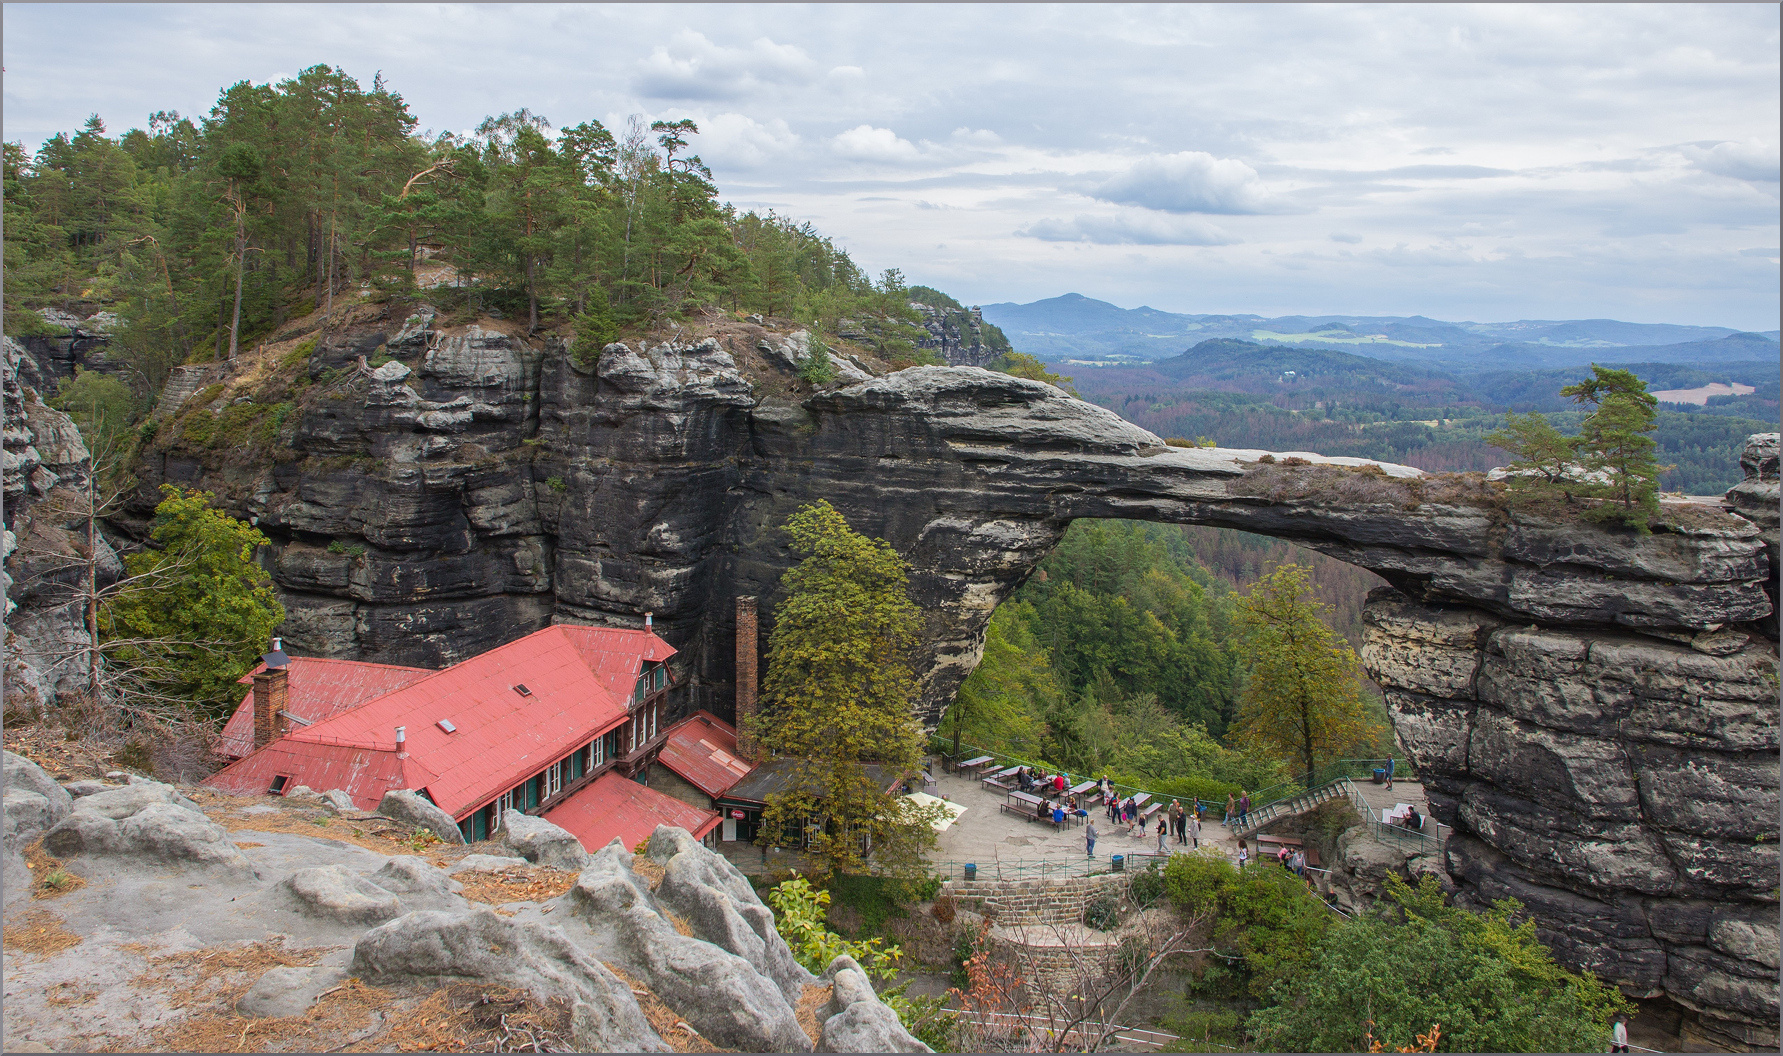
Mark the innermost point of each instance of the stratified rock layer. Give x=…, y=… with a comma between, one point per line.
x=1569, y=682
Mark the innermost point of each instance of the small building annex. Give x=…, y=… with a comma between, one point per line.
x=555, y=724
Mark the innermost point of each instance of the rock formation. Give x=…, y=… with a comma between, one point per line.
x=1598, y=705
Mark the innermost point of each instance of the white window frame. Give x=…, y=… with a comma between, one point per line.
x=553, y=781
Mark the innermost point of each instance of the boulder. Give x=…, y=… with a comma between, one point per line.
x=419, y=884
x=158, y=833
x=27, y=817
x=339, y=800
x=17, y=879
x=542, y=843
x=123, y=802
x=722, y=995
x=411, y=808
x=285, y=992
x=481, y=946
x=333, y=892
x=23, y=774
x=855, y=1020
x=721, y=907
x=77, y=789
x=485, y=863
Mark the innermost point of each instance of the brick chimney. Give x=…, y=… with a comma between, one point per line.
x=746, y=676
x=271, y=694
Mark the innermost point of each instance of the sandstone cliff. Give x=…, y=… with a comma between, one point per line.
x=1598, y=705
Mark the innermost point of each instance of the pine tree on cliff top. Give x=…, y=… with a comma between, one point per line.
x=838, y=694
x=1613, y=441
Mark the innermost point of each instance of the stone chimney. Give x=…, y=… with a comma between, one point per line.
x=271, y=692
x=746, y=676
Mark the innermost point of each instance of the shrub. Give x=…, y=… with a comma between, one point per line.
x=351, y=549
x=556, y=484
x=298, y=357
x=595, y=330
x=817, y=368
x=1148, y=886
x=1195, y=881
x=1102, y=913
x=943, y=909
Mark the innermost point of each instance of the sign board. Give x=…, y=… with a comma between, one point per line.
x=737, y=814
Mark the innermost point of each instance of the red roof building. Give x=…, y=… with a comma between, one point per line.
x=526, y=726
x=615, y=806
x=319, y=689
x=702, y=750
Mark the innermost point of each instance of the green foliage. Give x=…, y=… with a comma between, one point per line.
x=208, y=609
x=1613, y=441
x=1147, y=886
x=1195, y=881
x=103, y=406
x=557, y=484
x=339, y=546
x=1484, y=977
x=1303, y=701
x=1023, y=365
x=838, y=696
x=818, y=368
x=1544, y=457
x=1102, y=913
x=595, y=330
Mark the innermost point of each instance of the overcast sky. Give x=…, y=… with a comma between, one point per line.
x=1487, y=163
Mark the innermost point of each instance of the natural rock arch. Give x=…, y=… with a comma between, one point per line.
x=1595, y=714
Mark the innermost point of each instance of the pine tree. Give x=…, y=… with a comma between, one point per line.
x=1303, y=701
x=1543, y=459
x=1613, y=441
x=838, y=695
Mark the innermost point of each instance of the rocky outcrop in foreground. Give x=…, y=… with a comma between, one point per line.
x=698, y=939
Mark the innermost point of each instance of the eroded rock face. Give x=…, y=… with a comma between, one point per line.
x=152, y=830
x=412, y=808
x=855, y=1020
x=542, y=843
x=1624, y=788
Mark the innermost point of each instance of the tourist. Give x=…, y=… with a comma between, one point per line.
x=1058, y=784
x=1244, y=806
x=1300, y=863
x=1413, y=820
x=1281, y=856
x=1113, y=803
x=1229, y=808
x=1132, y=810
x=1195, y=831
x=1619, y=1035
x=1389, y=771
x=1244, y=855
x=1058, y=814
x=1162, y=836
x=1089, y=839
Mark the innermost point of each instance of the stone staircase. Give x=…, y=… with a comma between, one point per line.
x=1257, y=819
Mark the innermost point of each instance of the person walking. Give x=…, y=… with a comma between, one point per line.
x=1229, y=808
x=1162, y=837
x=1619, y=1035
x=1089, y=839
x=1244, y=855
x=1195, y=830
x=1244, y=806
x=1389, y=771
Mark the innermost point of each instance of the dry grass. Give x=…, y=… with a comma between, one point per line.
x=646, y=867
x=815, y=997
x=48, y=877
x=1296, y=480
x=669, y=1025
x=379, y=834
x=39, y=932
x=49, y=746
x=206, y=976
x=534, y=884
x=472, y=1017
x=349, y=1013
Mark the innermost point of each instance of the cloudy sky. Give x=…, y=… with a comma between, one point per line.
x=1489, y=163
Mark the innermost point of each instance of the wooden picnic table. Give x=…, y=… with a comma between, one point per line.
x=1024, y=804
x=1140, y=799
x=1008, y=771
x=980, y=761
x=1080, y=788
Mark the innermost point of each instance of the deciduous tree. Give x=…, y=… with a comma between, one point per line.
x=1304, y=698
x=838, y=697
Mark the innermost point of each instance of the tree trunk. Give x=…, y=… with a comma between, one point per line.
x=532, y=296
x=92, y=613
x=241, y=260
x=329, y=308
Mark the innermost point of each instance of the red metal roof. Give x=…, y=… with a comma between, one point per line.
x=702, y=749
x=615, y=806
x=316, y=689
x=579, y=680
x=365, y=774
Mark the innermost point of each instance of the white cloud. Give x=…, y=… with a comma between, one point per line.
x=1188, y=182
x=693, y=67
x=1341, y=236
x=1752, y=160
x=867, y=143
x=743, y=142
x=1129, y=227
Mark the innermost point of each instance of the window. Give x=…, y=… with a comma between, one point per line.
x=578, y=763
x=504, y=804
x=553, y=781
x=278, y=784
x=599, y=749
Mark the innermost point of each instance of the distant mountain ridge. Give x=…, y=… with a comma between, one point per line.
x=1074, y=327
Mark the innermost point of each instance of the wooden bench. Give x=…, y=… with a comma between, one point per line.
x=1264, y=837
x=1145, y=813
x=1002, y=779
x=1023, y=805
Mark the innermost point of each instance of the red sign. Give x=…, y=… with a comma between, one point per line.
x=737, y=814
